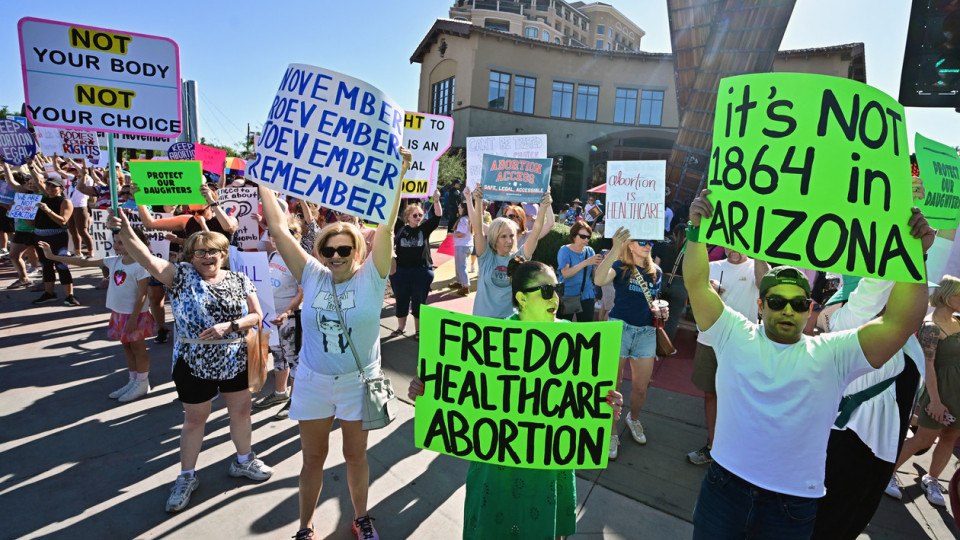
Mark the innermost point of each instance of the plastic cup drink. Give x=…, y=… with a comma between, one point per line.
x=659, y=307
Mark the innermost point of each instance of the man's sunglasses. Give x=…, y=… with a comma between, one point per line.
x=343, y=251
x=546, y=291
x=799, y=305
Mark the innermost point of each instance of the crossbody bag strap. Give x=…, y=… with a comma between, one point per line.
x=646, y=291
x=676, y=263
x=343, y=325
x=583, y=283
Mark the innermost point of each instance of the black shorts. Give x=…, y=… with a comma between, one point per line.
x=6, y=224
x=25, y=238
x=194, y=390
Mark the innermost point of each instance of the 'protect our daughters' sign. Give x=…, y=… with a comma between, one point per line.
x=427, y=136
x=512, y=179
x=940, y=171
x=813, y=171
x=515, y=393
x=83, y=77
x=333, y=140
x=167, y=182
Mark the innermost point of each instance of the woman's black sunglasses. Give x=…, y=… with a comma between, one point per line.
x=799, y=305
x=546, y=291
x=343, y=251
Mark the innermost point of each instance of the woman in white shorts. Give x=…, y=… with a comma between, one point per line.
x=328, y=381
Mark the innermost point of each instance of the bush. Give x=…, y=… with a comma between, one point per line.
x=559, y=236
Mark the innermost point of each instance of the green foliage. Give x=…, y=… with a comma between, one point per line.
x=549, y=246
x=453, y=166
x=5, y=111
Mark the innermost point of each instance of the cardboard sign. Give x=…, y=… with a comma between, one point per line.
x=635, y=198
x=256, y=266
x=241, y=203
x=516, y=393
x=427, y=136
x=515, y=180
x=181, y=151
x=24, y=206
x=940, y=171
x=332, y=140
x=167, y=182
x=84, y=77
x=16, y=143
x=813, y=171
x=103, y=237
x=512, y=146
x=212, y=158
x=69, y=143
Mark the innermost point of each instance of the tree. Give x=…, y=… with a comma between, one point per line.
x=453, y=166
x=5, y=111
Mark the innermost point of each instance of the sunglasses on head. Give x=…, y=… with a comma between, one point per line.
x=799, y=305
x=343, y=251
x=546, y=291
x=584, y=236
x=205, y=252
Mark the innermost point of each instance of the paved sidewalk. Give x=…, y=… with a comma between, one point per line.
x=74, y=463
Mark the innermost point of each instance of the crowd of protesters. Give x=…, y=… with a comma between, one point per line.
x=330, y=275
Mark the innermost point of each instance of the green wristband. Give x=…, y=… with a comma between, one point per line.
x=693, y=232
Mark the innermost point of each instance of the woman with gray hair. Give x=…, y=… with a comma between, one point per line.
x=494, y=251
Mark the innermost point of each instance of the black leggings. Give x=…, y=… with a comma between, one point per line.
x=58, y=245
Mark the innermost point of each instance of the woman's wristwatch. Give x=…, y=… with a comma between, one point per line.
x=234, y=327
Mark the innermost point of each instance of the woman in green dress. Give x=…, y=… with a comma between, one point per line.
x=507, y=502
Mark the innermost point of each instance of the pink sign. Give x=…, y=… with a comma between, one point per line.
x=212, y=158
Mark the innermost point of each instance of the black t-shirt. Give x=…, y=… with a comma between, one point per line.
x=213, y=224
x=412, y=244
x=668, y=252
x=43, y=221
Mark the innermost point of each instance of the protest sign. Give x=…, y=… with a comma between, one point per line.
x=332, y=140
x=256, y=267
x=511, y=179
x=635, y=197
x=70, y=143
x=516, y=393
x=241, y=203
x=812, y=171
x=212, y=158
x=138, y=142
x=16, y=143
x=48, y=139
x=103, y=237
x=24, y=206
x=940, y=171
x=167, y=182
x=85, y=77
x=22, y=120
x=427, y=136
x=181, y=151
x=512, y=146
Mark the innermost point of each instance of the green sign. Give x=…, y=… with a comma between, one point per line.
x=516, y=393
x=813, y=171
x=167, y=182
x=940, y=171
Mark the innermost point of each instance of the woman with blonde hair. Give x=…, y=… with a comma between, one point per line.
x=213, y=309
x=940, y=401
x=343, y=296
x=635, y=279
x=411, y=282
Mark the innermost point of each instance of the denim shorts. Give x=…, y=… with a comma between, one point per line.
x=637, y=341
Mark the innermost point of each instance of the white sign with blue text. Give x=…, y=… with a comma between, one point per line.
x=332, y=140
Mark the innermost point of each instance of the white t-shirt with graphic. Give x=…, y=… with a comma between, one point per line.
x=284, y=285
x=325, y=348
x=776, y=402
x=122, y=292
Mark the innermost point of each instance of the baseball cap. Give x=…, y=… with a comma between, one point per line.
x=784, y=275
x=54, y=179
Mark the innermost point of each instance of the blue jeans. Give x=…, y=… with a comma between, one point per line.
x=729, y=508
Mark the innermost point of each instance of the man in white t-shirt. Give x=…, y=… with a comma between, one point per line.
x=737, y=280
x=778, y=392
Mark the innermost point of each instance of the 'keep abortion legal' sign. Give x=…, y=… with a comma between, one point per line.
x=514, y=393
x=16, y=143
x=83, y=77
x=813, y=171
x=333, y=140
x=167, y=182
x=427, y=136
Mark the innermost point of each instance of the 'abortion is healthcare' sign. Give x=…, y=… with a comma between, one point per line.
x=332, y=140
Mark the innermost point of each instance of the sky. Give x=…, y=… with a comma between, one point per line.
x=238, y=55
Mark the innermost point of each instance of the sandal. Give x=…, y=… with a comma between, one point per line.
x=416, y=336
x=396, y=333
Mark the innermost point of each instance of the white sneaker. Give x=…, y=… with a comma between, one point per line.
x=180, y=492
x=614, y=447
x=122, y=390
x=253, y=469
x=137, y=390
x=893, y=488
x=933, y=489
x=636, y=430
